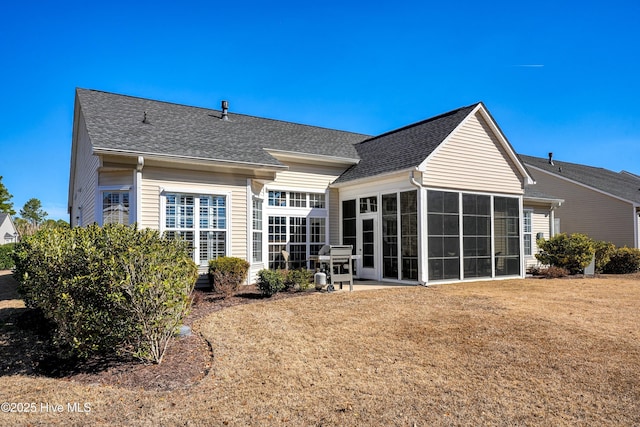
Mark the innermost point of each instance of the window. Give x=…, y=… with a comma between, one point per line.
x=298, y=200
x=526, y=229
x=506, y=219
x=298, y=235
x=368, y=204
x=277, y=198
x=443, y=235
x=256, y=226
x=115, y=207
x=316, y=200
x=201, y=221
x=349, y=233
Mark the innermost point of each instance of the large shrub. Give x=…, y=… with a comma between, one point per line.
x=226, y=274
x=573, y=252
x=623, y=260
x=6, y=260
x=603, y=252
x=106, y=290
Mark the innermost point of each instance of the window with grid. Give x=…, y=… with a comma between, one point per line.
x=257, y=230
x=527, y=230
x=115, y=207
x=277, y=198
x=297, y=200
x=443, y=235
x=201, y=221
x=316, y=200
x=476, y=230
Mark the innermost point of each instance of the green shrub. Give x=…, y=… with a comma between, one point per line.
x=603, y=253
x=226, y=274
x=298, y=280
x=270, y=282
x=106, y=290
x=6, y=261
x=623, y=260
x=573, y=252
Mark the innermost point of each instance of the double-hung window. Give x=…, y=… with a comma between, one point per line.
x=201, y=220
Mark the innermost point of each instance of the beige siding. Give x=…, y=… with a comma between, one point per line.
x=586, y=211
x=307, y=176
x=116, y=178
x=334, y=217
x=473, y=160
x=86, y=177
x=539, y=224
x=154, y=180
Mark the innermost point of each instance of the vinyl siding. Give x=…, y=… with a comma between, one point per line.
x=86, y=177
x=156, y=179
x=473, y=159
x=590, y=212
x=116, y=178
x=305, y=176
x=539, y=224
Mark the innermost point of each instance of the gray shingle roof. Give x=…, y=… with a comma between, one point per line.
x=115, y=122
x=533, y=193
x=404, y=148
x=621, y=185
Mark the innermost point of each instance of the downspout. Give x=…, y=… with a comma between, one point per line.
x=552, y=217
x=138, y=190
x=419, y=186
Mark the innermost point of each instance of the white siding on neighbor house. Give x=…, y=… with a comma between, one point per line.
x=590, y=212
x=473, y=159
x=86, y=178
x=154, y=180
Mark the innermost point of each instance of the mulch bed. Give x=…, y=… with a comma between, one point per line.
x=186, y=361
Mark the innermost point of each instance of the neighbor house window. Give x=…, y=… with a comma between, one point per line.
x=527, y=230
x=201, y=221
x=115, y=207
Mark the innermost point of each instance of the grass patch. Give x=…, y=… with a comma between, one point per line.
x=526, y=352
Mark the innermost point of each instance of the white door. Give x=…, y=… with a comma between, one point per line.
x=368, y=247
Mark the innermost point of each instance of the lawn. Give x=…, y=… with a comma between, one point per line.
x=525, y=352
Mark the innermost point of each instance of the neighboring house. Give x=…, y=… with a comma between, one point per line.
x=600, y=203
x=445, y=199
x=8, y=231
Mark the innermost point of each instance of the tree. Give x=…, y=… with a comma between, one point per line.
x=32, y=212
x=6, y=205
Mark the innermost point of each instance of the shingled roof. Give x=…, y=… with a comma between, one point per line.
x=116, y=123
x=622, y=185
x=404, y=148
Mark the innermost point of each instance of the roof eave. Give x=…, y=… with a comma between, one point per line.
x=306, y=157
x=189, y=159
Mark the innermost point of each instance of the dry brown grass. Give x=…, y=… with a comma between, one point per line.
x=523, y=352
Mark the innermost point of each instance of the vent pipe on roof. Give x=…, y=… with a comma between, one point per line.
x=551, y=159
x=225, y=109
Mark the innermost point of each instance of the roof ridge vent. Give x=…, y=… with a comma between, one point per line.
x=225, y=110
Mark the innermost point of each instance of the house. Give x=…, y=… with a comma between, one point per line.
x=8, y=231
x=600, y=203
x=445, y=199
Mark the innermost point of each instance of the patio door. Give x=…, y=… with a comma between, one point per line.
x=368, y=247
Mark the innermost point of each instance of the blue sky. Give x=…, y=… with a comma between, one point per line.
x=557, y=76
